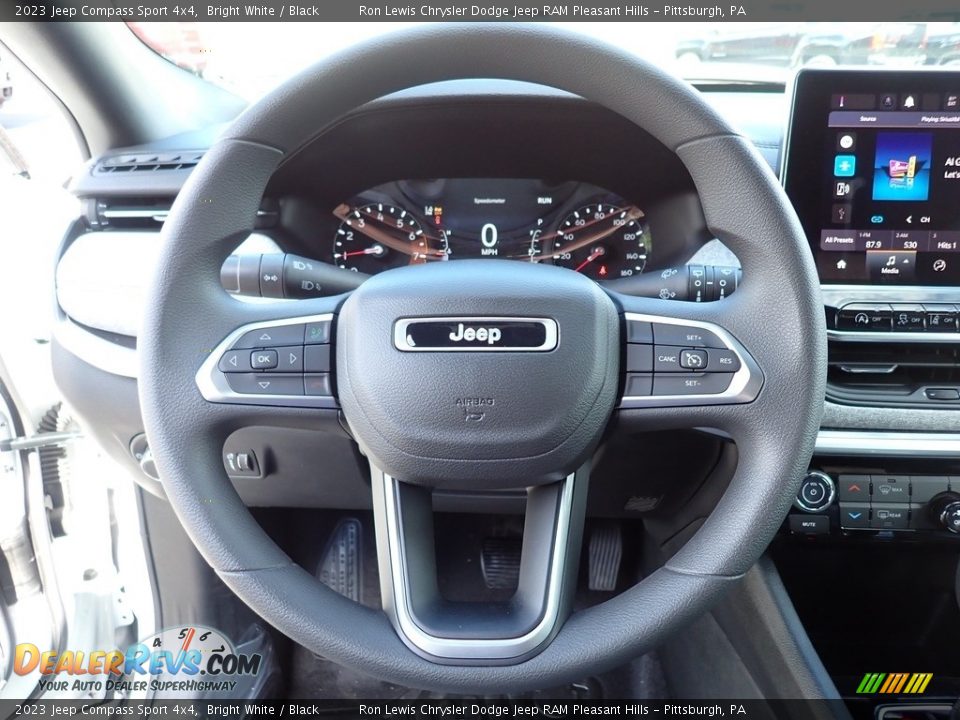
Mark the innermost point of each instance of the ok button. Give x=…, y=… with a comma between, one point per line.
x=263, y=359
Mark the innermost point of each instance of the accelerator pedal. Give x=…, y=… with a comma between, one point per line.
x=341, y=568
x=606, y=552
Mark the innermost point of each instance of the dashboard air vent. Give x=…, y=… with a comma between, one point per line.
x=881, y=374
x=148, y=162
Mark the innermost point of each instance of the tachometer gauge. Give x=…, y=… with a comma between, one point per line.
x=378, y=236
x=602, y=241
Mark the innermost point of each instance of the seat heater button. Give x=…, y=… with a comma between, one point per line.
x=234, y=361
x=691, y=384
x=318, y=384
x=260, y=384
x=317, y=333
x=271, y=337
x=263, y=359
x=664, y=334
x=722, y=361
x=693, y=359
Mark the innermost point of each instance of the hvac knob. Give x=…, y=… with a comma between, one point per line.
x=945, y=510
x=817, y=492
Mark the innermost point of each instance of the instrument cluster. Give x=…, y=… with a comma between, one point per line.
x=571, y=224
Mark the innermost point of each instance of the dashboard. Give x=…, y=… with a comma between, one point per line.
x=572, y=224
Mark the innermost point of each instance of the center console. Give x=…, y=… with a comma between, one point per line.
x=872, y=167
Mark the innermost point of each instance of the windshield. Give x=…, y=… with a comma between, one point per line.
x=249, y=58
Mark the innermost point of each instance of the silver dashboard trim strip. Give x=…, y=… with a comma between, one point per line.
x=887, y=444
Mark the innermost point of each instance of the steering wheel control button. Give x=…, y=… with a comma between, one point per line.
x=890, y=517
x=263, y=359
x=234, y=361
x=810, y=524
x=854, y=488
x=722, y=361
x=265, y=384
x=317, y=333
x=318, y=384
x=639, y=358
x=289, y=359
x=691, y=383
x=639, y=332
x=683, y=335
x=666, y=358
x=890, y=489
x=816, y=493
x=864, y=317
x=272, y=337
x=693, y=359
x=638, y=385
x=923, y=488
x=316, y=358
x=854, y=516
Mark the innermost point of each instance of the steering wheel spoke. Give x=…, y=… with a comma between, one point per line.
x=504, y=632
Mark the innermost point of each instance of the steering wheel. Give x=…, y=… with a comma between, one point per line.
x=444, y=374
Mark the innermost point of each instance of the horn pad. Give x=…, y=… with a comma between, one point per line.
x=478, y=374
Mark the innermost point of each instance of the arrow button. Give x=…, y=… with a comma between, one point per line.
x=258, y=384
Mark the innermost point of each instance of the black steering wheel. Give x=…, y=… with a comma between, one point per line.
x=444, y=374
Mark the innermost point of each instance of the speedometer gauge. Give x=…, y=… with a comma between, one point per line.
x=602, y=241
x=377, y=236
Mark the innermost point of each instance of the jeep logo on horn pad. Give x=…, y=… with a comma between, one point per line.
x=475, y=334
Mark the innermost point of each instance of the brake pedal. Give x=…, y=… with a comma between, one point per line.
x=341, y=568
x=605, y=554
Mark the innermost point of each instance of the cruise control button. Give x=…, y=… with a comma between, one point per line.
x=316, y=358
x=691, y=384
x=639, y=332
x=260, y=384
x=639, y=358
x=318, y=384
x=865, y=317
x=290, y=358
x=665, y=334
x=317, y=333
x=234, y=361
x=854, y=515
x=693, y=359
x=854, y=488
x=263, y=359
x=271, y=337
x=722, y=361
x=890, y=517
x=638, y=385
x=666, y=358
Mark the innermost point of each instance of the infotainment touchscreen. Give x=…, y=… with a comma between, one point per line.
x=873, y=170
